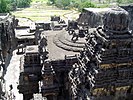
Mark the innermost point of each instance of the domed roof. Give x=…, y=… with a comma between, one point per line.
x=116, y=20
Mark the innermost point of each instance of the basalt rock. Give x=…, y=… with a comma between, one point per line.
x=104, y=68
x=129, y=9
x=116, y=21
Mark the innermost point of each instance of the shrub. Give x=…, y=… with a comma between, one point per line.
x=102, y=5
x=86, y=5
x=4, y=6
x=51, y=2
x=62, y=3
x=23, y=3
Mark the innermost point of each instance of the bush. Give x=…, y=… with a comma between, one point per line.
x=50, y=2
x=62, y=3
x=74, y=3
x=12, y=5
x=102, y=5
x=23, y=3
x=4, y=6
x=86, y=5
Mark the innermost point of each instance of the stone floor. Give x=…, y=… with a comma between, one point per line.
x=56, y=53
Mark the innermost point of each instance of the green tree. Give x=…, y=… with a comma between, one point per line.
x=4, y=6
x=65, y=3
x=12, y=4
x=51, y=1
x=119, y=1
x=75, y=3
x=58, y=3
x=62, y=3
x=86, y=4
x=129, y=1
x=23, y=3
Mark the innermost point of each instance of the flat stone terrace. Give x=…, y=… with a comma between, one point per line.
x=55, y=52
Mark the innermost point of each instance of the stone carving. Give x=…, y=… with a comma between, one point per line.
x=72, y=25
x=104, y=69
x=50, y=85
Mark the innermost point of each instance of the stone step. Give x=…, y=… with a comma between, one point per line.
x=68, y=38
x=62, y=39
x=66, y=47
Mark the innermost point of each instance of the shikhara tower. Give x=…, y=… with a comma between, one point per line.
x=105, y=67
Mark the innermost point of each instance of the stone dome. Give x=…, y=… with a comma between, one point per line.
x=116, y=20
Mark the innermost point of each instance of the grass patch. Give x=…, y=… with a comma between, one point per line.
x=102, y=5
x=42, y=1
x=41, y=11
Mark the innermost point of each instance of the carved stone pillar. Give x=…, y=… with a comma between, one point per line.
x=49, y=87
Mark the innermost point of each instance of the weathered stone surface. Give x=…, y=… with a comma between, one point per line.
x=129, y=9
x=116, y=21
x=7, y=44
x=92, y=17
x=103, y=70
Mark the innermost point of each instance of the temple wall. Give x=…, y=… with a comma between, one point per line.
x=129, y=9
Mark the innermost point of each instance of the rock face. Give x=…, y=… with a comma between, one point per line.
x=7, y=44
x=129, y=9
x=104, y=68
x=92, y=17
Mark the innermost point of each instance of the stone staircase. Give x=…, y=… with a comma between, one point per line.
x=63, y=40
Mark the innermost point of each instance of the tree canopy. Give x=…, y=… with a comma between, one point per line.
x=23, y=3
x=86, y=3
x=4, y=6
x=8, y=5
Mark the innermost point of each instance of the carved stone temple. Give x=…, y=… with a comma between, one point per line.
x=80, y=61
x=105, y=69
